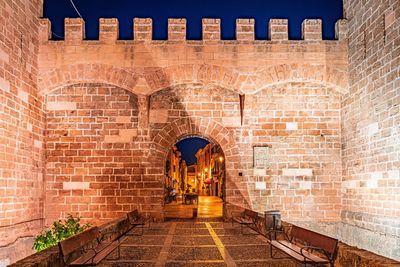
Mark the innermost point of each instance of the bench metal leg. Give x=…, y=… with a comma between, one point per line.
x=270, y=251
x=272, y=254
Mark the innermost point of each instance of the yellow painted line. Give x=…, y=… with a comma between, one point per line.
x=222, y=250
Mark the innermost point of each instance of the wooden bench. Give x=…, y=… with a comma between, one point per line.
x=136, y=219
x=86, y=248
x=246, y=218
x=306, y=247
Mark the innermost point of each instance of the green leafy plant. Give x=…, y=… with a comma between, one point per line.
x=60, y=231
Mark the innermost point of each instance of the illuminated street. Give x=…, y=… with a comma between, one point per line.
x=208, y=207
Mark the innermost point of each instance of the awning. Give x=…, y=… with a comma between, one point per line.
x=207, y=181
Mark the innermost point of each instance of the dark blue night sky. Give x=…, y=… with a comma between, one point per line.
x=188, y=147
x=160, y=10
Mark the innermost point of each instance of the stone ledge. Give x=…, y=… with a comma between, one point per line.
x=352, y=256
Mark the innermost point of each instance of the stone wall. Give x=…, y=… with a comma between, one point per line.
x=370, y=128
x=21, y=129
x=93, y=153
x=112, y=109
x=301, y=123
x=100, y=163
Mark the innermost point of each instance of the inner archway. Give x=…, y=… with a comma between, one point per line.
x=194, y=179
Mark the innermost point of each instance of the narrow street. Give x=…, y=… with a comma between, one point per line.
x=208, y=207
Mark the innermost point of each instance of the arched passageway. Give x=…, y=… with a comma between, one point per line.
x=194, y=178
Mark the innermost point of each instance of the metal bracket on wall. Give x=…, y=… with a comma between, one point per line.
x=241, y=99
x=148, y=107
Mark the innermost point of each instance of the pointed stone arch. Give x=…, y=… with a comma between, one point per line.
x=161, y=78
x=331, y=77
x=247, y=81
x=155, y=79
x=236, y=190
x=87, y=73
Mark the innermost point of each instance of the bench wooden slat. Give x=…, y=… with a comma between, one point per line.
x=247, y=217
x=294, y=251
x=72, y=243
x=90, y=257
x=250, y=213
x=243, y=220
x=106, y=251
x=103, y=245
x=327, y=243
x=141, y=221
x=84, y=259
x=322, y=248
x=135, y=218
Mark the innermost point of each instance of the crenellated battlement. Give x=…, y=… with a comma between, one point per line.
x=211, y=30
x=142, y=29
x=177, y=29
x=74, y=30
x=311, y=29
x=278, y=29
x=109, y=30
x=245, y=29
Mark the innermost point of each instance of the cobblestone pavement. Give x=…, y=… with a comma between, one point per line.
x=195, y=243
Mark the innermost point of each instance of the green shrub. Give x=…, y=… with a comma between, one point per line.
x=58, y=232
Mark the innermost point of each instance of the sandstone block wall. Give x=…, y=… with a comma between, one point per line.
x=108, y=111
x=301, y=122
x=21, y=129
x=92, y=153
x=102, y=162
x=370, y=128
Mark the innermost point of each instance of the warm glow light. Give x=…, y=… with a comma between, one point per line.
x=198, y=174
x=221, y=159
x=192, y=180
x=206, y=169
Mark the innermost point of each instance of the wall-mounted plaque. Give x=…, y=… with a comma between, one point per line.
x=260, y=157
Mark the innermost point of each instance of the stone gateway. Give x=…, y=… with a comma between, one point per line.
x=86, y=126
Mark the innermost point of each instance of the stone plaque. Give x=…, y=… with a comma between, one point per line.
x=260, y=157
x=260, y=172
x=261, y=186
